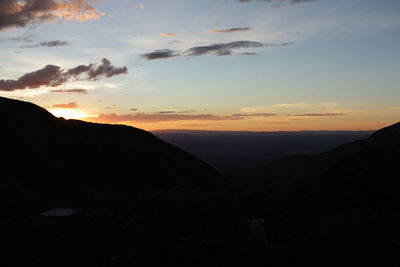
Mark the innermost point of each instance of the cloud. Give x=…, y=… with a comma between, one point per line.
x=141, y=6
x=249, y=54
x=159, y=54
x=222, y=49
x=253, y=115
x=305, y=110
x=54, y=43
x=226, y=49
x=154, y=117
x=27, y=39
x=47, y=44
x=175, y=111
x=174, y=42
x=169, y=116
x=16, y=13
x=68, y=105
x=319, y=115
x=165, y=34
x=279, y=44
x=298, y=108
x=290, y=1
x=77, y=91
x=232, y=30
x=105, y=69
x=53, y=76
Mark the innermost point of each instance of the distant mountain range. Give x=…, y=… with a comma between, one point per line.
x=280, y=174
x=232, y=151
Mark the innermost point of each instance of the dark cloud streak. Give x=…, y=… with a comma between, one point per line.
x=222, y=49
x=232, y=30
x=227, y=48
x=26, y=39
x=249, y=54
x=160, y=54
x=47, y=44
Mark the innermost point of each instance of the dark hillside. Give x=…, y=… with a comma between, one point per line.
x=344, y=213
x=66, y=159
x=136, y=200
x=280, y=174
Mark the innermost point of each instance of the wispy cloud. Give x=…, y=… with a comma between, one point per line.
x=54, y=76
x=47, y=44
x=168, y=34
x=154, y=117
x=159, y=54
x=68, y=105
x=278, y=1
x=320, y=114
x=244, y=115
x=226, y=49
x=170, y=116
x=70, y=91
x=15, y=13
x=140, y=6
x=306, y=109
x=175, y=111
x=232, y=30
x=222, y=49
x=27, y=38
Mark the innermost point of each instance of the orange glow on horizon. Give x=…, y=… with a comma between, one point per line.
x=258, y=126
x=67, y=113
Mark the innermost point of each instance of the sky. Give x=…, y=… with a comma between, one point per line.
x=248, y=65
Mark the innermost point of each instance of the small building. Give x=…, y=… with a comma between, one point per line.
x=67, y=212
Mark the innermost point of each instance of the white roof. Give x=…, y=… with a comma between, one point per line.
x=58, y=212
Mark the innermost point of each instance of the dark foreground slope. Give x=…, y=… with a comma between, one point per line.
x=338, y=208
x=141, y=201
x=67, y=159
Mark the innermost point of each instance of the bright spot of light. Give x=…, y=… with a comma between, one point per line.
x=69, y=113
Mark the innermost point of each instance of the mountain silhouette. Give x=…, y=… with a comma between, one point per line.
x=336, y=208
x=130, y=199
x=139, y=201
x=280, y=174
x=66, y=159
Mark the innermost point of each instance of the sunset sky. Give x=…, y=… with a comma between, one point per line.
x=255, y=65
